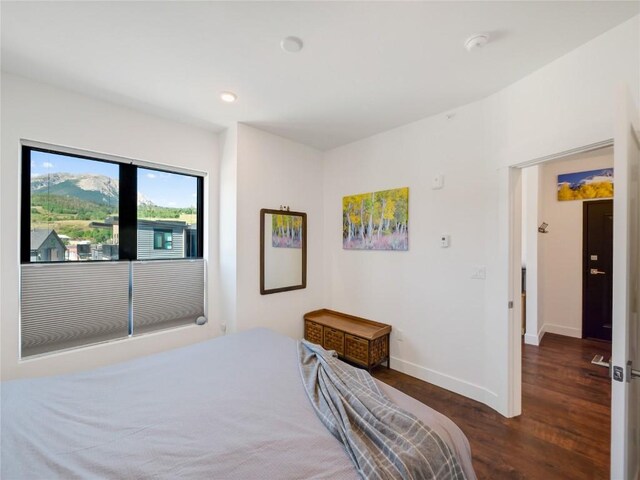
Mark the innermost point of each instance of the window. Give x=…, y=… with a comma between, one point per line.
x=162, y=239
x=72, y=204
x=78, y=208
x=91, y=224
x=167, y=215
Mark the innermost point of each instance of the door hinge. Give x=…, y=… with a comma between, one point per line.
x=510, y=304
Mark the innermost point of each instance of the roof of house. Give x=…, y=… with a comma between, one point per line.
x=162, y=223
x=39, y=235
x=115, y=220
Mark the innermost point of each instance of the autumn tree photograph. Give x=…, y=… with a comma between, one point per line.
x=376, y=220
x=286, y=231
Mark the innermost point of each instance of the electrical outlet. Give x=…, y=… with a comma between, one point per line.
x=399, y=335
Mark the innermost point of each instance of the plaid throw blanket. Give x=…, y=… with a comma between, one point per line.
x=382, y=440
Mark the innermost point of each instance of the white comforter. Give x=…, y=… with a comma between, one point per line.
x=229, y=408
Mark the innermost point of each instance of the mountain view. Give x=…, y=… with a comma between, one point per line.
x=68, y=203
x=98, y=189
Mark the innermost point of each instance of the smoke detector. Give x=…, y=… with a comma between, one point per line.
x=476, y=41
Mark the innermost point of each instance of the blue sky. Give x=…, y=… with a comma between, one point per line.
x=43, y=163
x=574, y=178
x=164, y=189
x=167, y=189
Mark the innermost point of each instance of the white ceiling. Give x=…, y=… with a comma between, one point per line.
x=366, y=67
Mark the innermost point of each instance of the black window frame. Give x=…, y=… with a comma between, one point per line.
x=127, y=206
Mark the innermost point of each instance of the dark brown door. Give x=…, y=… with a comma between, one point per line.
x=597, y=284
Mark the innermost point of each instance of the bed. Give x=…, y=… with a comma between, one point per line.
x=229, y=408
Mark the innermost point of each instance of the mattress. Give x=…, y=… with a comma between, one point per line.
x=232, y=407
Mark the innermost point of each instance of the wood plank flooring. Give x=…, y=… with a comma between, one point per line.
x=564, y=429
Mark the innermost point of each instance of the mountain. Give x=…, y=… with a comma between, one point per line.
x=98, y=189
x=603, y=176
x=142, y=200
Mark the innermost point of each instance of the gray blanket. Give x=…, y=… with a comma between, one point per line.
x=382, y=440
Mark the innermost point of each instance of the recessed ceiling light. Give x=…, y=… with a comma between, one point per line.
x=476, y=41
x=228, y=97
x=291, y=44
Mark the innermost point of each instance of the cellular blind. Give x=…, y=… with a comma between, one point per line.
x=66, y=305
x=166, y=293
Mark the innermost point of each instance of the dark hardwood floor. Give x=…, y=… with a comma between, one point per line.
x=564, y=429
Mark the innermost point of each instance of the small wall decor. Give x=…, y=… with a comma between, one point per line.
x=586, y=185
x=286, y=231
x=376, y=220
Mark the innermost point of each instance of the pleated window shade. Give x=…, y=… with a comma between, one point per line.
x=166, y=293
x=65, y=305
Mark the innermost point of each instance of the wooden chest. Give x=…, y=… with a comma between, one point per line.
x=357, y=340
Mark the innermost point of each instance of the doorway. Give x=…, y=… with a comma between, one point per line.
x=550, y=228
x=567, y=240
x=597, y=290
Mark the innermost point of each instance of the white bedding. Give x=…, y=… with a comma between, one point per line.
x=229, y=408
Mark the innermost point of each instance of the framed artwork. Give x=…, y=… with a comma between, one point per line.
x=376, y=220
x=286, y=231
x=586, y=185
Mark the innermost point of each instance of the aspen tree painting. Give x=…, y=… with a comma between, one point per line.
x=286, y=231
x=586, y=185
x=376, y=220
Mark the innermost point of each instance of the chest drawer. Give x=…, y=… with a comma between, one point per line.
x=313, y=332
x=333, y=340
x=356, y=349
x=357, y=340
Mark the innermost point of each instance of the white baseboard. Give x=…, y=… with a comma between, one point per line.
x=532, y=338
x=562, y=330
x=447, y=382
x=535, y=339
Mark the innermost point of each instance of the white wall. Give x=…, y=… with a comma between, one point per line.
x=569, y=103
x=455, y=328
x=273, y=171
x=228, y=236
x=560, y=250
x=426, y=292
x=38, y=112
x=531, y=221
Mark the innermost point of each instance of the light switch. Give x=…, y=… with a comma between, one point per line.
x=479, y=273
x=437, y=182
x=445, y=240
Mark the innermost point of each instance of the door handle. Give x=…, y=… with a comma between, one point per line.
x=599, y=361
x=632, y=372
x=595, y=271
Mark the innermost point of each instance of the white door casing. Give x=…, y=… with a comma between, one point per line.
x=625, y=399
